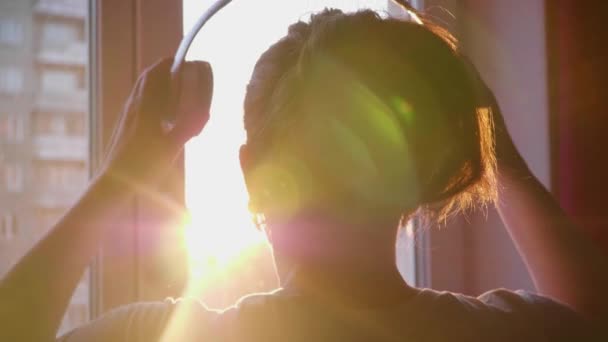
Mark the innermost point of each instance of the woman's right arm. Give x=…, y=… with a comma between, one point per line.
x=36, y=291
x=564, y=263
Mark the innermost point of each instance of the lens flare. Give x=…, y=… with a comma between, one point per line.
x=220, y=233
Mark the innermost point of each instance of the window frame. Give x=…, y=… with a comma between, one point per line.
x=125, y=37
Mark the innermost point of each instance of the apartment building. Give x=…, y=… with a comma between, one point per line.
x=43, y=124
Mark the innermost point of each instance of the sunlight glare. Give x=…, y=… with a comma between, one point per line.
x=221, y=229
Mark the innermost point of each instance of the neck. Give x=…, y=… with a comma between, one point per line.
x=355, y=266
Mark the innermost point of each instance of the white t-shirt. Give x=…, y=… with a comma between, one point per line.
x=432, y=316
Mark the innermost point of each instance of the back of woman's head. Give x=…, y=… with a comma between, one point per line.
x=358, y=116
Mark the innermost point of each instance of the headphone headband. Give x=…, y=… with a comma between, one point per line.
x=184, y=45
x=180, y=55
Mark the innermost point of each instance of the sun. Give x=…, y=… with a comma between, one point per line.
x=220, y=226
x=219, y=229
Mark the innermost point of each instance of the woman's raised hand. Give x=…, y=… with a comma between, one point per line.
x=145, y=143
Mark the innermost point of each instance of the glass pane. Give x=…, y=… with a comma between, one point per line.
x=44, y=139
x=229, y=257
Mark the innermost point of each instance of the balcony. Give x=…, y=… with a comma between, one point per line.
x=73, y=100
x=68, y=148
x=74, y=54
x=74, y=9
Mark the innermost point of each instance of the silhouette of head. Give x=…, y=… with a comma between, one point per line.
x=359, y=119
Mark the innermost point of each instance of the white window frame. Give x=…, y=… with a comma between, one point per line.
x=128, y=36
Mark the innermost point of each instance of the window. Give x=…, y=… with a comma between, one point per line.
x=76, y=125
x=222, y=138
x=59, y=80
x=77, y=312
x=48, y=124
x=11, y=128
x=8, y=227
x=60, y=34
x=11, y=31
x=61, y=175
x=11, y=79
x=73, y=124
x=13, y=177
x=129, y=39
x=46, y=217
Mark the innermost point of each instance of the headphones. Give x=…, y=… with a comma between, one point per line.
x=481, y=90
x=180, y=55
x=217, y=6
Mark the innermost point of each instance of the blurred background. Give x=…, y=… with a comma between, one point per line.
x=44, y=125
x=66, y=67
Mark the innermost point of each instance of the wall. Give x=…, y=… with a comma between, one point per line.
x=579, y=78
x=506, y=41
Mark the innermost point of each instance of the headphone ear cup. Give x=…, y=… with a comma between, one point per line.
x=192, y=94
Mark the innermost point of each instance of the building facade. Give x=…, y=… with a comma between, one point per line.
x=44, y=140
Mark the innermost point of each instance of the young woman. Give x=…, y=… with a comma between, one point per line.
x=354, y=124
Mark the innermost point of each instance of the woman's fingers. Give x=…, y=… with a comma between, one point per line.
x=193, y=100
x=141, y=144
x=176, y=107
x=155, y=95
